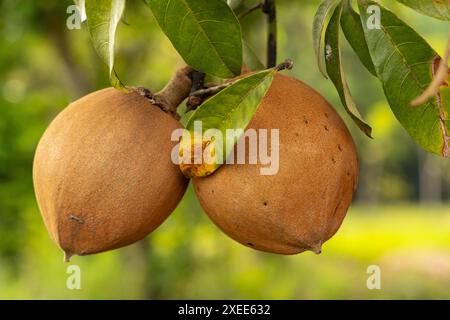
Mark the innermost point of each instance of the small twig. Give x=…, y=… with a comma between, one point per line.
x=270, y=10
x=198, y=80
x=287, y=64
x=250, y=10
x=200, y=95
x=198, y=83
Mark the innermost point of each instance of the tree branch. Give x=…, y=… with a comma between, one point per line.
x=176, y=90
x=270, y=10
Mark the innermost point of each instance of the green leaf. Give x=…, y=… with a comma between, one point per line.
x=232, y=108
x=319, y=25
x=439, y=9
x=354, y=33
x=251, y=60
x=336, y=72
x=103, y=17
x=404, y=63
x=207, y=34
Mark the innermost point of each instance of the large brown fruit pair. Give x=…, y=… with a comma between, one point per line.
x=104, y=178
x=103, y=173
x=303, y=205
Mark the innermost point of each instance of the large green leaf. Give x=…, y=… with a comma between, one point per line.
x=251, y=60
x=319, y=25
x=103, y=17
x=354, y=33
x=336, y=72
x=439, y=9
x=207, y=34
x=232, y=108
x=404, y=63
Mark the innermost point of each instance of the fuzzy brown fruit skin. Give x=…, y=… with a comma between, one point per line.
x=103, y=174
x=303, y=205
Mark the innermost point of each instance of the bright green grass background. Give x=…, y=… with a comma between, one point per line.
x=193, y=259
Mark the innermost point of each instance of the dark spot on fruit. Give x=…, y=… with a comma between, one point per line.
x=340, y=147
x=348, y=173
x=250, y=244
x=334, y=160
x=326, y=115
x=265, y=203
x=326, y=128
x=305, y=120
x=212, y=191
x=296, y=134
x=75, y=218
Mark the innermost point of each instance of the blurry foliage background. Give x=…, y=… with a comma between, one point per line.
x=400, y=219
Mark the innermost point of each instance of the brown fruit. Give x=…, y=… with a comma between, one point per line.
x=303, y=205
x=103, y=174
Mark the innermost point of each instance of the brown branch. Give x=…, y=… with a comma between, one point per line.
x=170, y=97
x=198, y=82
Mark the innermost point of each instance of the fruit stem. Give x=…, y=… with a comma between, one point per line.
x=287, y=64
x=176, y=90
x=67, y=256
x=198, y=83
x=317, y=248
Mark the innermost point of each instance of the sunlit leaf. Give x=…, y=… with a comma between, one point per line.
x=103, y=17
x=232, y=108
x=404, y=62
x=207, y=34
x=336, y=72
x=439, y=9
x=319, y=25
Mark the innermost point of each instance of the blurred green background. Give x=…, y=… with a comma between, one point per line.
x=400, y=219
